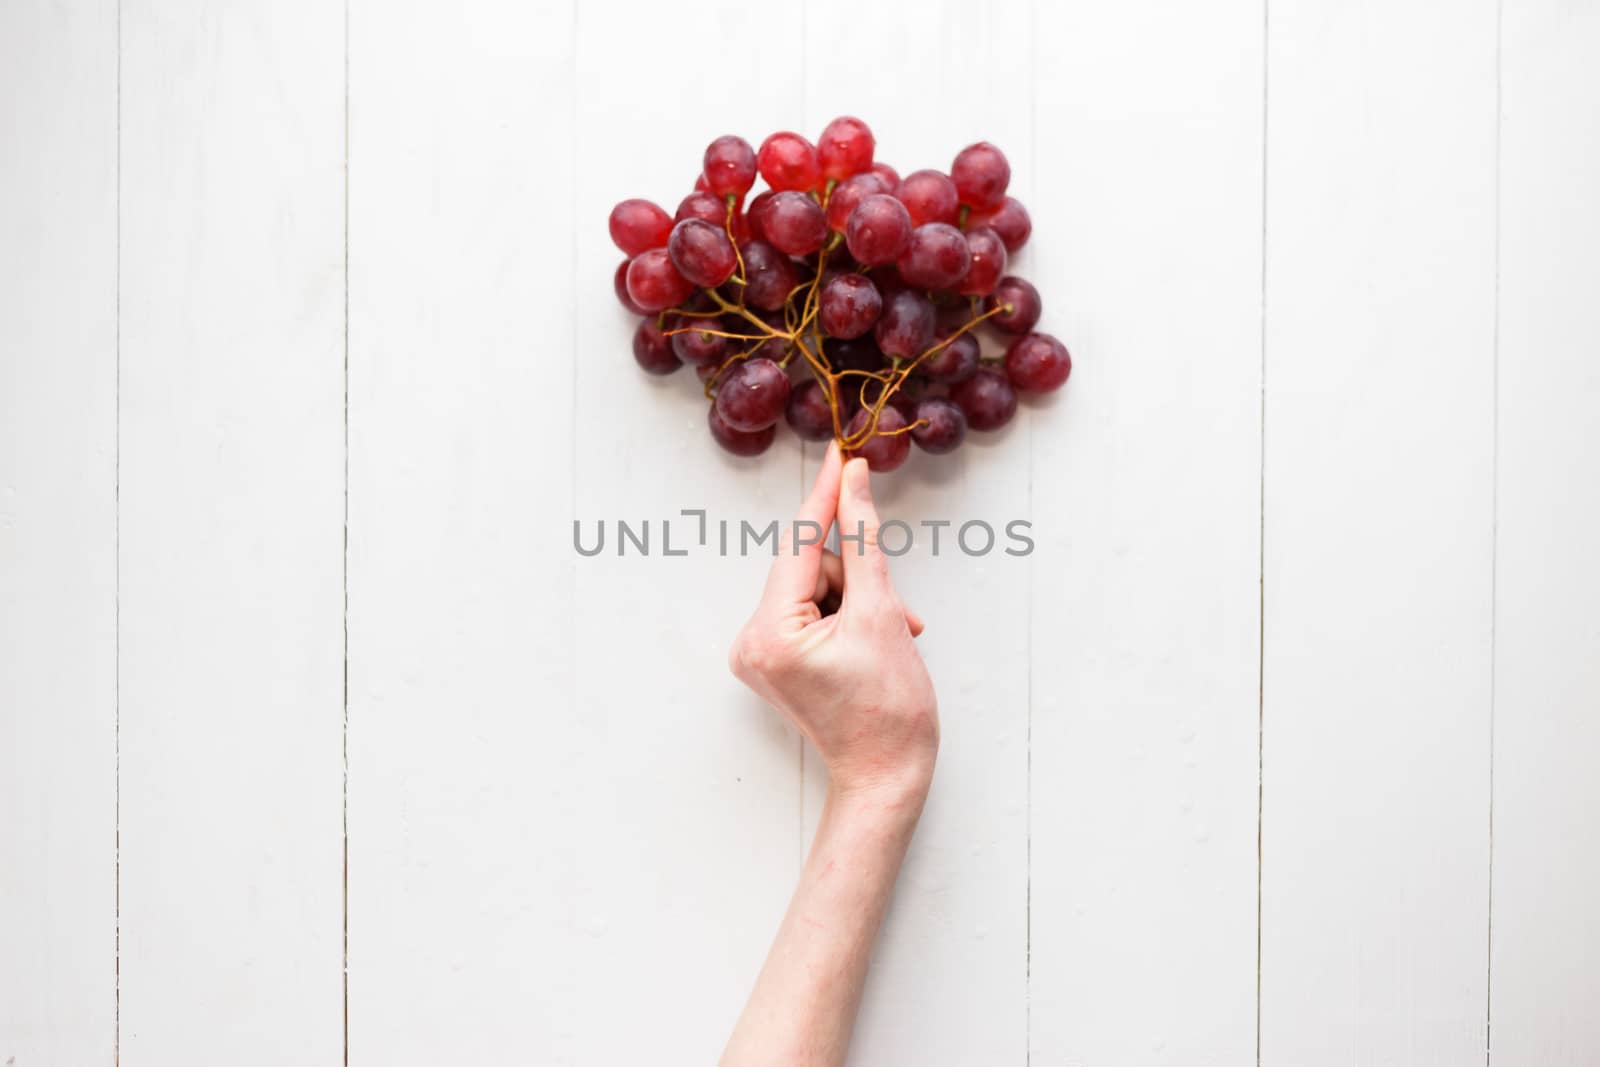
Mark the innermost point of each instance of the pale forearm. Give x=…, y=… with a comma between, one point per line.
x=804, y=1003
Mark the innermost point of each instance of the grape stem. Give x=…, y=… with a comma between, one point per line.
x=803, y=334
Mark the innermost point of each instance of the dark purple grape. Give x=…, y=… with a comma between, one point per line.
x=981, y=174
x=808, y=413
x=988, y=262
x=619, y=282
x=930, y=197
x=730, y=166
x=701, y=252
x=1009, y=219
x=986, y=398
x=867, y=390
x=887, y=279
x=654, y=284
x=945, y=425
x=698, y=347
x=652, y=349
x=955, y=362
x=794, y=223
x=753, y=394
x=1038, y=363
x=848, y=305
x=878, y=231
x=884, y=450
x=860, y=353
x=905, y=328
x=936, y=258
x=769, y=276
x=1023, y=300
x=740, y=442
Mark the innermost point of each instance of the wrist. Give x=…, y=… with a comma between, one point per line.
x=897, y=790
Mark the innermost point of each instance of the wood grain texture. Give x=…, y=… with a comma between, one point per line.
x=1146, y=475
x=1546, y=934
x=690, y=805
x=58, y=154
x=1327, y=272
x=465, y=828
x=948, y=984
x=231, y=532
x=1378, y=533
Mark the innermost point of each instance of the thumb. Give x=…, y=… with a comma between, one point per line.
x=866, y=571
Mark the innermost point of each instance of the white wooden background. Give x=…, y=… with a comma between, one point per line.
x=1280, y=749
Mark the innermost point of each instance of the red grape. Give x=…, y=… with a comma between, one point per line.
x=946, y=425
x=988, y=262
x=808, y=413
x=955, y=362
x=758, y=211
x=850, y=192
x=619, y=282
x=986, y=398
x=730, y=166
x=936, y=258
x=848, y=305
x=701, y=252
x=845, y=148
x=869, y=389
x=1038, y=363
x=1009, y=219
x=981, y=175
x=638, y=226
x=753, y=394
x=929, y=196
x=653, y=350
x=702, y=206
x=884, y=450
x=787, y=161
x=740, y=442
x=697, y=346
x=654, y=284
x=794, y=223
x=878, y=231
x=726, y=287
x=905, y=328
x=1021, y=297
x=769, y=276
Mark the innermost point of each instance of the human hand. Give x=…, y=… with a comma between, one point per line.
x=853, y=681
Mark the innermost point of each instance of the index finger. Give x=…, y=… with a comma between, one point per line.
x=793, y=578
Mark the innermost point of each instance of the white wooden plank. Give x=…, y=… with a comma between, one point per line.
x=1378, y=495
x=1545, y=978
x=691, y=802
x=58, y=77
x=1146, y=474
x=465, y=768
x=948, y=983
x=231, y=532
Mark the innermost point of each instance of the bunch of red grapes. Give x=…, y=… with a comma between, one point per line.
x=843, y=298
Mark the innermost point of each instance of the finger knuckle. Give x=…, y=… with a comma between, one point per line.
x=754, y=655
